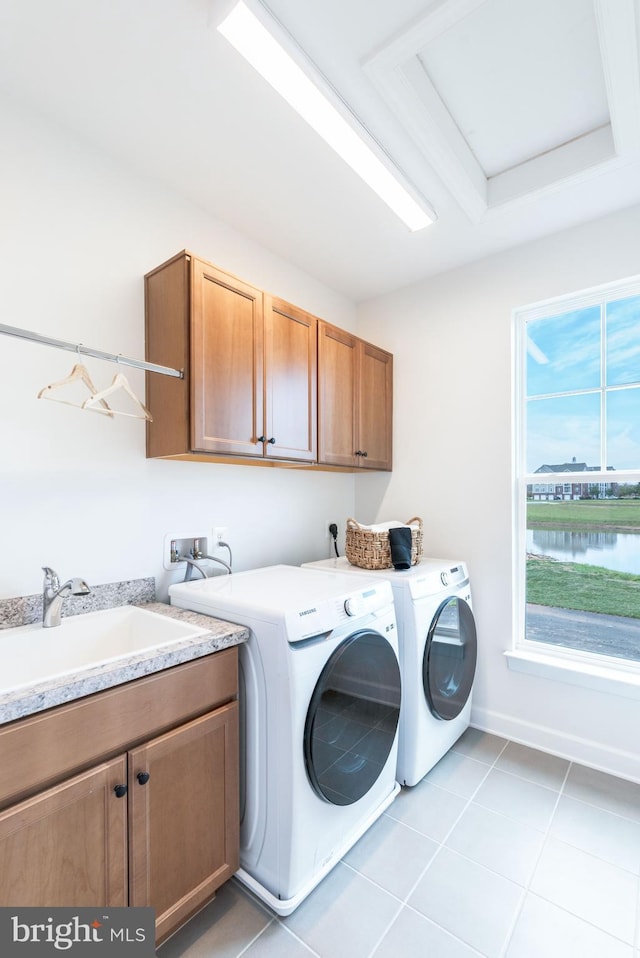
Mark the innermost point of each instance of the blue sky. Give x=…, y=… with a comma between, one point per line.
x=564, y=355
x=568, y=352
x=623, y=341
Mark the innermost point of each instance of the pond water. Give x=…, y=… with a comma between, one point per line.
x=612, y=550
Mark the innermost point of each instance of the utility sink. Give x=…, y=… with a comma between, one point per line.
x=30, y=654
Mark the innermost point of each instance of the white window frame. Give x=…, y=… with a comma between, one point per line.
x=605, y=673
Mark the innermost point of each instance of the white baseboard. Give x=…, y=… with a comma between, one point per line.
x=605, y=758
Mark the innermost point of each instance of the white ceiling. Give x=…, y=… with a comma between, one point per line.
x=513, y=118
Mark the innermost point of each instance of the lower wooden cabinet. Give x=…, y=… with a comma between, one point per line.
x=184, y=818
x=156, y=825
x=67, y=846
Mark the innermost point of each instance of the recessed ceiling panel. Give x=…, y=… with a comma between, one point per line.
x=519, y=78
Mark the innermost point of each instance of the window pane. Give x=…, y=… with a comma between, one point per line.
x=581, y=568
x=623, y=341
x=623, y=428
x=563, y=352
x=581, y=402
x=563, y=430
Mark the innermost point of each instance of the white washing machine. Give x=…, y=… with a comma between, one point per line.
x=319, y=704
x=438, y=651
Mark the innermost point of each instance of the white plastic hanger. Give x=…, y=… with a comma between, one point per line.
x=119, y=382
x=78, y=373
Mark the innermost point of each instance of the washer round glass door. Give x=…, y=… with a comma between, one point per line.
x=449, y=662
x=352, y=718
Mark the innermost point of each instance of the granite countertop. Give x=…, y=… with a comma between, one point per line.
x=25, y=700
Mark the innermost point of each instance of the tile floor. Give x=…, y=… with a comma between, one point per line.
x=501, y=851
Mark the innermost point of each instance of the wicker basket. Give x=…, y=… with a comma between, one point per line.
x=371, y=550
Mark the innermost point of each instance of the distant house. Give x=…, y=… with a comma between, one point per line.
x=557, y=488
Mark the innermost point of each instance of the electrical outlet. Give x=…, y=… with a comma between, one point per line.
x=327, y=523
x=220, y=535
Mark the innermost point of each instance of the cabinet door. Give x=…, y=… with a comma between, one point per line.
x=184, y=820
x=337, y=390
x=290, y=381
x=226, y=363
x=375, y=407
x=67, y=846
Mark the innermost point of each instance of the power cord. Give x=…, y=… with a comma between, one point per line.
x=228, y=548
x=333, y=529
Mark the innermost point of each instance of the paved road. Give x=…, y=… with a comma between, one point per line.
x=588, y=631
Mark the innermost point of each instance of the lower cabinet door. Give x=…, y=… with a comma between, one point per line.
x=184, y=817
x=67, y=846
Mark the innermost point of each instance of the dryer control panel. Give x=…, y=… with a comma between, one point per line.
x=450, y=577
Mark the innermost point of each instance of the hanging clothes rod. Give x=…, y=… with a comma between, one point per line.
x=87, y=351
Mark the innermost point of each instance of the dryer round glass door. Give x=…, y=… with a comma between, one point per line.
x=449, y=662
x=352, y=718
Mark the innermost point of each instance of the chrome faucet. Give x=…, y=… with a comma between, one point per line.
x=53, y=593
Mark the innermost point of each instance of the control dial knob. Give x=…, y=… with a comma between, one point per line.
x=353, y=606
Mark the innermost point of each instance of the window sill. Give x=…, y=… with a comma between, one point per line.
x=574, y=671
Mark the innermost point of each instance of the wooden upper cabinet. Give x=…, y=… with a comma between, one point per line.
x=355, y=401
x=227, y=350
x=264, y=381
x=290, y=342
x=375, y=407
x=337, y=396
x=250, y=367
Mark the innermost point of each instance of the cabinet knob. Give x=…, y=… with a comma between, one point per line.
x=143, y=778
x=272, y=440
x=120, y=790
x=262, y=438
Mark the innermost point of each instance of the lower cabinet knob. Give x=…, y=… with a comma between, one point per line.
x=120, y=790
x=262, y=438
x=143, y=777
x=272, y=440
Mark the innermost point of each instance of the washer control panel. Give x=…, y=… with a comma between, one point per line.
x=367, y=600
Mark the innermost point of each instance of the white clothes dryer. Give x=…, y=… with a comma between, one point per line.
x=438, y=652
x=319, y=711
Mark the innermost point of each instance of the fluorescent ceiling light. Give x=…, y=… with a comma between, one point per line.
x=257, y=44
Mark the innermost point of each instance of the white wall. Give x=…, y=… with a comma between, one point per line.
x=451, y=337
x=77, y=234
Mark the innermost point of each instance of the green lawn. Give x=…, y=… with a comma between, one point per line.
x=622, y=515
x=587, y=588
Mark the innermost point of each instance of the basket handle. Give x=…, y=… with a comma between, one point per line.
x=352, y=524
x=415, y=519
